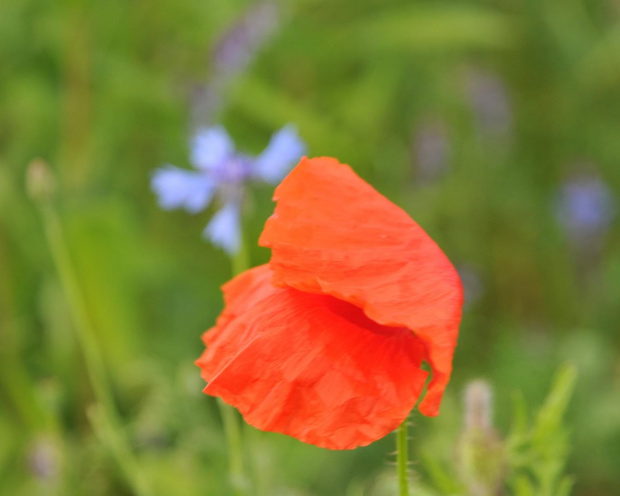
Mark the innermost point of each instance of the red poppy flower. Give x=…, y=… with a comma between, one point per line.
x=325, y=343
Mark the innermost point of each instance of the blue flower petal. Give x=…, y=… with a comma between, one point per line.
x=586, y=205
x=224, y=230
x=179, y=188
x=211, y=147
x=282, y=153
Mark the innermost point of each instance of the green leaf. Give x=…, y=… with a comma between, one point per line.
x=437, y=28
x=549, y=419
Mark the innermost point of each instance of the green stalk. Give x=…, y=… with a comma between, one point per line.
x=235, y=450
x=239, y=263
x=107, y=414
x=402, y=459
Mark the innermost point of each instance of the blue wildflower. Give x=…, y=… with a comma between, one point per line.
x=586, y=206
x=223, y=172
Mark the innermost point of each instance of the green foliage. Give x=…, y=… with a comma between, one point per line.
x=537, y=454
x=529, y=461
x=105, y=92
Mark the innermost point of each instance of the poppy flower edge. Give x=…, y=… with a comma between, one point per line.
x=326, y=342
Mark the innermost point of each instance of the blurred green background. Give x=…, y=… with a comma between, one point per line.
x=494, y=123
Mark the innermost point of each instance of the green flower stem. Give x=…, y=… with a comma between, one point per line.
x=402, y=459
x=240, y=262
x=235, y=450
x=108, y=416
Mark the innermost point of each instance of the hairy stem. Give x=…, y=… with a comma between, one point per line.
x=402, y=459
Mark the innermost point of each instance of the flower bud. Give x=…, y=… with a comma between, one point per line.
x=480, y=452
x=40, y=182
x=44, y=460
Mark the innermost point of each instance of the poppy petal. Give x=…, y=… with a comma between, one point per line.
x=240, y=295
x=309, y=365
x=333, y=234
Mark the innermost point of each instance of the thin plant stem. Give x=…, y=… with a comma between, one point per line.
x=108, y=416
x=235, y=450
x=402, y=459
x=239, y=263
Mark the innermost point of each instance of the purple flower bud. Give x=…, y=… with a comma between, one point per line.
x=235, y=49
x=237, y=46
x=44, y=460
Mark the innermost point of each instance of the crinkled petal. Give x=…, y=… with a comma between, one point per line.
x=283, y=151
x=179, y=188
x=309, y=365
x=224, y=230
x=240, y=295
x=212, y=147
x=332, y=233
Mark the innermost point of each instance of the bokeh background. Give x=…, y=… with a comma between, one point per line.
x=494, y=123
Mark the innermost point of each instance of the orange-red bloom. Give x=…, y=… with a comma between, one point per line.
x=325, y=343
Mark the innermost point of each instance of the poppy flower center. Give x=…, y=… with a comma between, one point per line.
x=356, y=315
